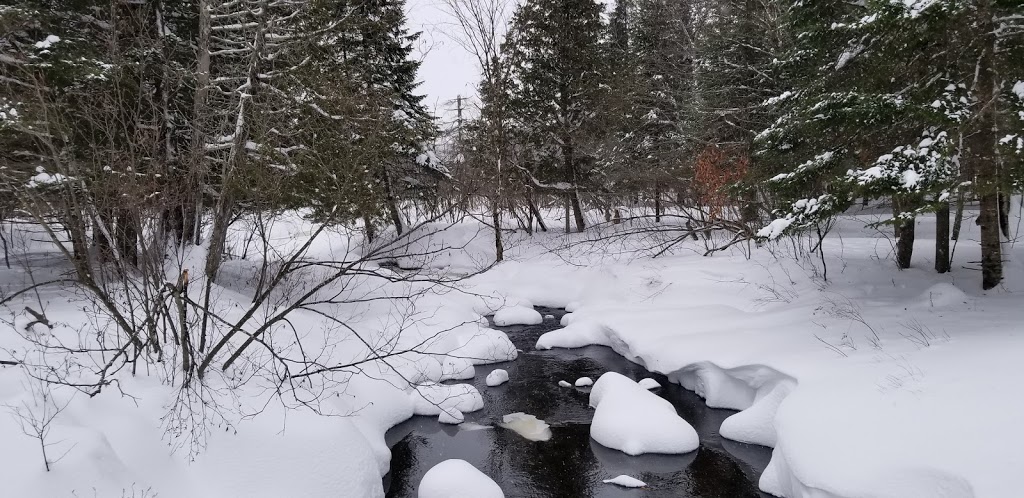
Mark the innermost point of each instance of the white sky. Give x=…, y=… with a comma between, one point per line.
x=447, y=70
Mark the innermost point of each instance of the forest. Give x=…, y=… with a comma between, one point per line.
x=220, y=194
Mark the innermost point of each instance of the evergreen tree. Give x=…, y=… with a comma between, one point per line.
x=557, y=65
x=910, y=100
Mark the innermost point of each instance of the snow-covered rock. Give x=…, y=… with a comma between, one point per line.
x=626, y=482
x=431, y=399
x=528, y=426
x=479, y=345
x=497, y=377
x=457, y=479
x=584, y=382
x=518, y=315
x=649, y=383
x=451, y=416
x=633, y=420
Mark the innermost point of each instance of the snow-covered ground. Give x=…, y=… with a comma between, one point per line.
x=874, y=383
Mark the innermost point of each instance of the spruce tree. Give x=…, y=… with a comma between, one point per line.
x=557, y=64
x=912, y=100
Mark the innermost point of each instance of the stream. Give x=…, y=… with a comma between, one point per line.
x=571, y=464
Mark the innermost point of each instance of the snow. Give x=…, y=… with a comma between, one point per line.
x=1018, y=90
x=584, y=382
x=47, y=42
x=457, y=479
x=649, y=383
x=776, y=228
x=915, y=398
x=517, y=315
x=528, y=426
x=625, y=481
x=564, y=383
x=631, y=419
x=451, y=416
x=433, y=399
x=497, y=377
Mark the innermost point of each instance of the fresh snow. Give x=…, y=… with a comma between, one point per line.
x=497, y=377
x=451, y=416
x=584, y=382
x=528, y=426
x=457, y=479
x=631, y=419
x=517, y=315
x=881, y=383
x=564, y=383
x=626, y=482
x=649, y=383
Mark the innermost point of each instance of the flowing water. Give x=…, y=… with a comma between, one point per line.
x=571, y=464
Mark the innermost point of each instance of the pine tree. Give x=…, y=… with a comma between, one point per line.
x=375, y=55
x=910, y=105
x=557, y=65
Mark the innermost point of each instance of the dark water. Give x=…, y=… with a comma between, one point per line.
x=571, y=464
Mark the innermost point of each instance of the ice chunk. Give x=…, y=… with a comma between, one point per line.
x=626, y=482
x=457, y=479
x=497, y=377
x=528, y=426
x=584, y=382
x=563, y=383
x=649, y=384
x=451, y=416
x=631, y=419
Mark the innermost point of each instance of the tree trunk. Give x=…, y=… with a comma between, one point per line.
x=499, y=249
x=904, y=232
x=942, y=238
x=959, y=218
x=568, y=222
x=657, y=202
x=536, y=213
x=983, y=152
x=1004, y=213
x=126, y=236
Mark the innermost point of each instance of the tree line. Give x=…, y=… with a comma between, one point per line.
x=759, y=118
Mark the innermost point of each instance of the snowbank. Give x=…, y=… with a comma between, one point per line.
x=457, y=479
x=631, y=419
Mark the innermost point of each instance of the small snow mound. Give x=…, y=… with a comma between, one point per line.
x=649, y=384
x=549, y=317
x=631, y=419
x=497, y=377
x=528, y=426
x=451, y=416
x=563, y=383
x=517, y=315
x=584, y=382
x=457, y=479
x=572, y=306
x=941, y=295
x=626, y=482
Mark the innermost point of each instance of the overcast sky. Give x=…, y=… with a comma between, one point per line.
x=447, y=70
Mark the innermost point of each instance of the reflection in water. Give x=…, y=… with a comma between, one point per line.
x=571, y=464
